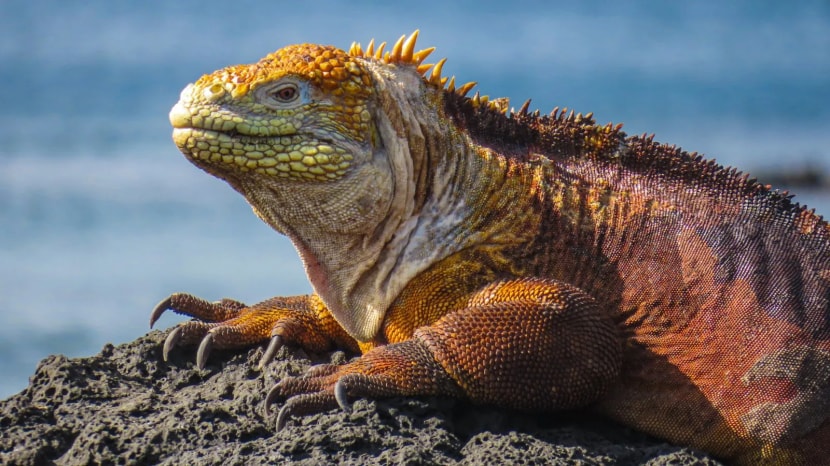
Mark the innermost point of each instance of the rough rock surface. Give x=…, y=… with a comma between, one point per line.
x=126, y=406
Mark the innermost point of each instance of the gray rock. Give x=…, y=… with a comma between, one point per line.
x=126, y=406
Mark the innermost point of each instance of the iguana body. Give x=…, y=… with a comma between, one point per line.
x=536, y=262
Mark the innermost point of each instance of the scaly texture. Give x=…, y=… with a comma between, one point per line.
x=536, y=262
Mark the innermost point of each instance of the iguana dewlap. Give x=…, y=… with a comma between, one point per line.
x=527, y=261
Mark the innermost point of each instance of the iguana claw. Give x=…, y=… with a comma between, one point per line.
x=340, y=395
x=204, y=350
x=162, y=306
x=171, y=341
x=274, y=345
x=283, y=416
x=270, y=398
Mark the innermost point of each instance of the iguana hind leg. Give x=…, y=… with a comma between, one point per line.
x=528, y=344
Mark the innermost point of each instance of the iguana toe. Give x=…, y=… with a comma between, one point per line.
x=192, y=306
x=308, y=403
x=185, y=334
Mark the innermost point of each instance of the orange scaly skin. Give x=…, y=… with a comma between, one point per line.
x=535, y=262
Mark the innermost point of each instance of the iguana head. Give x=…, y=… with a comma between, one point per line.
x=298, y=114
x=329, y=147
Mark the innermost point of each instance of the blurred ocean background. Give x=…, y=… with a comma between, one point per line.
x=101, y=217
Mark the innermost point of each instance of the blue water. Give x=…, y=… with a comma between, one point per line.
x=100, y=216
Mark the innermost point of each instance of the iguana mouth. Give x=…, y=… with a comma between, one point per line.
x=295, y=156
x=237, y=136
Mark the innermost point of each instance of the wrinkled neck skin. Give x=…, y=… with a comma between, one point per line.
x=367, y=236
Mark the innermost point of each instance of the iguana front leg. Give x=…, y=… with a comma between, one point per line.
x=527, y=344
x=300, y=320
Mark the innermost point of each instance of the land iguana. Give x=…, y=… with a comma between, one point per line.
x=538, y=262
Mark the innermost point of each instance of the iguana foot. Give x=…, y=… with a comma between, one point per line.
x=207, y=329
x=299, y=320
x=401, y=369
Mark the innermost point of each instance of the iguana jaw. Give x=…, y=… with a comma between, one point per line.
x=218, y=144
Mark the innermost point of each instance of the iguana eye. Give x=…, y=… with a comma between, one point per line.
x=283, y=94
x=286, y=93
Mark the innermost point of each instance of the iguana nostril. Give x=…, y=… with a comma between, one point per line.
x=180, y=116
